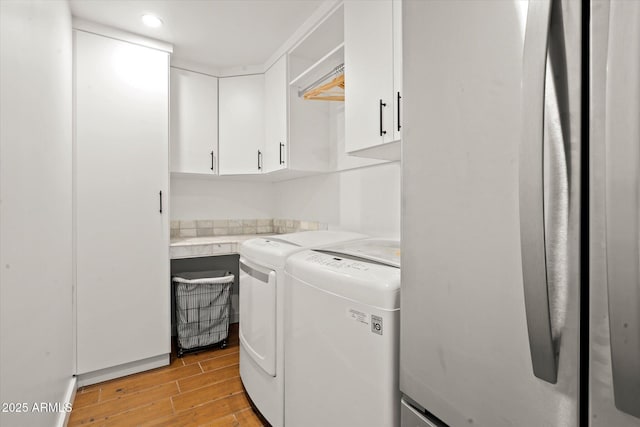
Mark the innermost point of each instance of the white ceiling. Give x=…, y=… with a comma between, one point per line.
x=215, y=33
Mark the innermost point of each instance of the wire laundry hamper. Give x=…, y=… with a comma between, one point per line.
x=203, y=304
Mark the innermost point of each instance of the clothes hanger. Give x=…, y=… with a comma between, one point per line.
x=331, y=91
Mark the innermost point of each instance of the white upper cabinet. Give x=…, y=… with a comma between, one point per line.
x=241, y=124
x=194, y=122
x=372, y=98
x=276, y=129
x=397, y=69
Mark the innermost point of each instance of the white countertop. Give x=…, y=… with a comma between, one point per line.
x=192, y=247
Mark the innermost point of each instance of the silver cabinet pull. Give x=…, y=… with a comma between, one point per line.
x=622, y=203
x=531, y=193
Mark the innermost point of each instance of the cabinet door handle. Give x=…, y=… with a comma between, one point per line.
x=161, y=201
x=212, y=160
x=382, y=131
x=399, y=98
x=259, y=160
x=281, y=156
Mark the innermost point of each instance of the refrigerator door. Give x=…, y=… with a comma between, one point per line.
x=615, y=215
x=468, y=343
x=413, y=418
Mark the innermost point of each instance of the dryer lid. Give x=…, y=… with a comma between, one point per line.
x=384, y=251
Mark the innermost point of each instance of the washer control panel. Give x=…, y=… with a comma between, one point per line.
x=336, y=262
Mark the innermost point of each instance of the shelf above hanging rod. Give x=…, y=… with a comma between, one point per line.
x=328, y=61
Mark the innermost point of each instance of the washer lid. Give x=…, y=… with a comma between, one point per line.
x=367, y=282
x=272, y=251
x=384, y=251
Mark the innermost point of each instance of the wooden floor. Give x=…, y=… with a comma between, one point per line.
x=199, y=389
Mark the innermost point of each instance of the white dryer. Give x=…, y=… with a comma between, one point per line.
x=262, y=263
x=342, y=336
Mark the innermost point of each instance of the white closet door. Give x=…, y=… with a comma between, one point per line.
x=121, y=146
x=194, y=122
x=241, y=124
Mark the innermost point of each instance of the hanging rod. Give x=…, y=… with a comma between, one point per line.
x=337, y=70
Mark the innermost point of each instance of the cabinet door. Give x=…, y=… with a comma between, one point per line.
x=368, y=51
x=241, y=124
x=276, y=129
x=397, y=69
x=122, y=236
x=194, y=122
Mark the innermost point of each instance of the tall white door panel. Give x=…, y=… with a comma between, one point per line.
x=121, y=186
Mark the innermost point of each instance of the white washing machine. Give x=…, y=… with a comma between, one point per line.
x=342, y=336
x=262, y=263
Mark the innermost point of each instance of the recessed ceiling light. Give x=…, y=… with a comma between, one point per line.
x=151, y=21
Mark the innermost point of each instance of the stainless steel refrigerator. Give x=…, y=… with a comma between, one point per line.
x=520, y=301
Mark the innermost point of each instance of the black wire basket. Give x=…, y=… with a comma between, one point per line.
x=203, y=306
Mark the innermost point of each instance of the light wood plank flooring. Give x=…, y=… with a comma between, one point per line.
x=199, y=389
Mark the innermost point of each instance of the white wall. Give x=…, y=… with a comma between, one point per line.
x=363, y=197
x=211, y=198
x=365, y=200
x=36, y=350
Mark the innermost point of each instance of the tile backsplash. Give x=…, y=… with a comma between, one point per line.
x=229, y=227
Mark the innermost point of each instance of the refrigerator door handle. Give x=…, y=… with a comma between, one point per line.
x=622, y=204
x=531, y=193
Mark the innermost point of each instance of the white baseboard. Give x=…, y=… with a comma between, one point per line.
x=69, y=397
x=123, y=370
